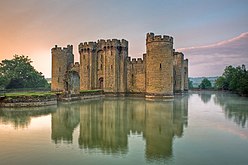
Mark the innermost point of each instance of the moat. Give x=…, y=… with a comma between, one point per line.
x=199, y=128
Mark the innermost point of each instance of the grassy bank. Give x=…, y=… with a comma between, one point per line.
x=16, y=94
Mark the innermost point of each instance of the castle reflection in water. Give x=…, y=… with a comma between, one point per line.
x=106, y=124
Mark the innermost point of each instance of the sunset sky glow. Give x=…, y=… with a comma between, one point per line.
x=212, y=34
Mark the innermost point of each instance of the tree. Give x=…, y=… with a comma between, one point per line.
x=234, y=79
x=221, y=83
x=191, y=84
x=19, y=73
x=205, y=84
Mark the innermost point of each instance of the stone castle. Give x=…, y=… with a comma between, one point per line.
x=105, y=65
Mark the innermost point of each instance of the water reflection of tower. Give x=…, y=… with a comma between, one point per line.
x=64, y=121
x=103, y=126
x=159, y=131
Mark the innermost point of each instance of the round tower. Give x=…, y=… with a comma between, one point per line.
x=159, y=66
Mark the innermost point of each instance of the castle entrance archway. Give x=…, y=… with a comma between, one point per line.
x=100, y=82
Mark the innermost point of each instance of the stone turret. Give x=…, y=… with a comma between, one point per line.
x=159, y=66
x=62, y=59
x=186, y=74
x=178, y=72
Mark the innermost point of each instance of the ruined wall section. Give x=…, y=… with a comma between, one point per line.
x=178, y=72
x=62, y=59
x=136, y=75
x=186, y=75
x=159, y=65
x=73, y=79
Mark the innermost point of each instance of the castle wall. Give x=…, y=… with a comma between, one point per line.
x=62, y=58
x=178, y=72
x=186, y=75
x=105, y=65
x=159, y=65
x=86, y=51
x=136, y=76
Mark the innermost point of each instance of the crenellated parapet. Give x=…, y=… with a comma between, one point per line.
x=150, y=37
x=103, y=45
x=114, y=43
x=67, y=49
x=178, y=55
x=137, y=61
x=87, y=46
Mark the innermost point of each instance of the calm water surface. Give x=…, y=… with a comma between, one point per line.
x=201, y=128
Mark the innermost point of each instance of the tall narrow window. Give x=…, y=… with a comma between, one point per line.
x=160, y=66
x=58, y=79
x=132, y=80
x=111, y=67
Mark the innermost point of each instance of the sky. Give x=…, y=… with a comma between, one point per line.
x=211, y=34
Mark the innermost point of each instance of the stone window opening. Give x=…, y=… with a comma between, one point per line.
x=58, y=79
x=132, y=81
x=111, y=67
x=160, y=66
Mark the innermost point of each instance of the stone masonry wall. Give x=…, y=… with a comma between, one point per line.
x=136, y=76
x=159, y=65
x=178, y=72
x=62, y=58
x=103, y=64
x=186, y=75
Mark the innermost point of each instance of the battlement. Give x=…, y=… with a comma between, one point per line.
x=137, y=61
x=178, y=54
x=87, y=46
x=68, y=49
x=76, y=64
x=150, y=37
x=112, y=43
x=102, y=44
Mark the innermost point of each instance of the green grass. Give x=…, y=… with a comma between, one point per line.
x=91, y=91
x=15, y=94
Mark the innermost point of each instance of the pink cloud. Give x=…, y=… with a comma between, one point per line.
x=210, y=60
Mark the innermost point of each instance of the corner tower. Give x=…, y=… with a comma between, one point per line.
x=159, y=66
x=186, y=75
x=62, y=59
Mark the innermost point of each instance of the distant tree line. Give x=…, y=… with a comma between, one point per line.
x=19, y=73
x=234, y=79
x=205, y=84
